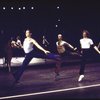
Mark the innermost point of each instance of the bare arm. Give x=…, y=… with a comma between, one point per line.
x=95, y=47
x=69, y=45
x=47, y=41
x=99, y=45
x=39, y=47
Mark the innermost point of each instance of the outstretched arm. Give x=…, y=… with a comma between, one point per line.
x=39, y=47
x=69, y=45
x=47, y=41
x=95, y=47
x=99, y=45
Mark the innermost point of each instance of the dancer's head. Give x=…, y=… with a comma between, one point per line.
x=43, y=37
x=59, y=36
x=18, y=38
x=28, y=33
x=85, y=33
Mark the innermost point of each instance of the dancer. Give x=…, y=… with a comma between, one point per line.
x=18, y=42
x=61, y=46
x=61, y=49
x=30, y=53
x=86, y=43
x=45, y=42
x=19, y=48
x=13, y=43
x=10, y=44
x=8, y=51
x=3, y=40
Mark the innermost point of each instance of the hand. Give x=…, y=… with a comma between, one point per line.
x=99, y=52
x=75, y=49
x=46, y=52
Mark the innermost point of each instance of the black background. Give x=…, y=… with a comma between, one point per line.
x=75, y=15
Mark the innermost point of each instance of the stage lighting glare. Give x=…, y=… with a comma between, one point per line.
x=56, y=25
x=4, y=8
x=58, y=7
x=19, y=8
x=58, y=20
x=12, y=8
x=32, y=7
x=23, y=7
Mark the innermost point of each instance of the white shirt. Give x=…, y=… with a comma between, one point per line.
x=86, y=43
x=27, y=46
x=61, y=47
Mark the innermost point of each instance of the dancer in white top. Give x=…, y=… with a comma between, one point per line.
x=28, y=46
x=29, y=53
x=86, y=43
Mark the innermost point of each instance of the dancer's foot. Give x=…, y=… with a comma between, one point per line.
x=9, y=69
x=57, y=77
x=80, y=78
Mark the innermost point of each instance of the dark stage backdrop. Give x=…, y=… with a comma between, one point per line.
x=50, y=17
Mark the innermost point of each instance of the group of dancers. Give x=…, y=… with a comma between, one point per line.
x=86, y=43
x=8, y=50
x=28, y=46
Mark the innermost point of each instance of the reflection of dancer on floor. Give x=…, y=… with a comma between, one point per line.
x=61, y=48
x=86, y=43
x=30, y=53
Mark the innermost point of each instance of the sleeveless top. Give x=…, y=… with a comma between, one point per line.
x=27, y=46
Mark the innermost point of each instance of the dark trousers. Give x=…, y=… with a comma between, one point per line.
x=28, y=58
x=85, y=56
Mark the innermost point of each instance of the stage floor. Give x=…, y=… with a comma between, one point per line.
x=17, y=61
x=38, y=82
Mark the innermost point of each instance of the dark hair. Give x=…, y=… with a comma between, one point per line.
x=87, y=33
x=18, y=37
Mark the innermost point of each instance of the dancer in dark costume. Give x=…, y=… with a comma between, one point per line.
x=61, y=49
